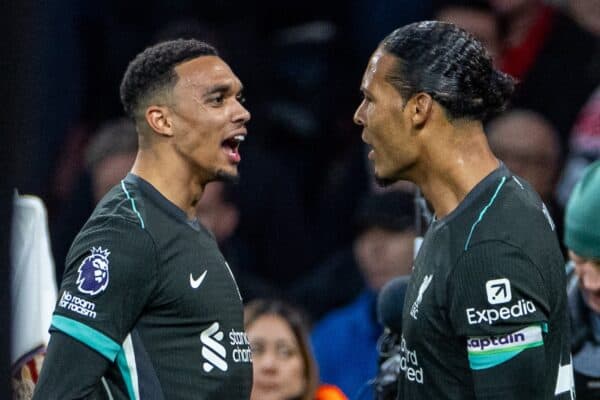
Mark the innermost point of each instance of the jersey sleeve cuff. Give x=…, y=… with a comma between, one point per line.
x=88, y=336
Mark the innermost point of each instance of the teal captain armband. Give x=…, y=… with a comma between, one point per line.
x=489, y=351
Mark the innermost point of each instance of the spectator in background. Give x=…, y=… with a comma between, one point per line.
x=586, y=13
x=552, y=56
x=528, y=144
x=382, y=250
x=582, y=238
x=108, y=157
x=284, y=366
x=584, y=146
x=530, y=147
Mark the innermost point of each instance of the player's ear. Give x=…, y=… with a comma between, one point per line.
x=420, y=107
x=159, y=118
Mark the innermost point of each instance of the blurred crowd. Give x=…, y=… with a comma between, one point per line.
x=306, y=224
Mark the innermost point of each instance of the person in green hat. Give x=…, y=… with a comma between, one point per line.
x=582, y=238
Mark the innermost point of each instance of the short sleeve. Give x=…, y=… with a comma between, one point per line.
x=110, y=274
x=495, y=289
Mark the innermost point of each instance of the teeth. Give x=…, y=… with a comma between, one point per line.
x=239, y=138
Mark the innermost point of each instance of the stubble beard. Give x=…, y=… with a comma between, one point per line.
x=227, y=177
x=400, y=174
x=384, y=182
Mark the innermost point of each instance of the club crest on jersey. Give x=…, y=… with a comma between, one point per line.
x=414, y=310
x=93, y=272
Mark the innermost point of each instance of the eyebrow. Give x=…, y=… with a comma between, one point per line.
x=220, y=88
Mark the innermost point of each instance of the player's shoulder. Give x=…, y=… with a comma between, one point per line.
x=519, y=198
x=118, y=222
x=115, y=240
x=124, y=202
x=512, y=213
x=507, y=197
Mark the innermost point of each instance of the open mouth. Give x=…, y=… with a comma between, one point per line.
x=231, y=146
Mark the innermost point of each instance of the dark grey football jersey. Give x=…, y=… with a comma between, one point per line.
x=485, y=312
x=150, y=291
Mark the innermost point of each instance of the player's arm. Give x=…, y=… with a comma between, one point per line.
x=71, y=370
x=509, y=366
x=110, y=275
x=499, y=305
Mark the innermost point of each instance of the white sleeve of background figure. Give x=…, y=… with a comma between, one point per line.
x=33, y=282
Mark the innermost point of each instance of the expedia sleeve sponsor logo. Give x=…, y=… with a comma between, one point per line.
x=499, y=291
x=491, y=315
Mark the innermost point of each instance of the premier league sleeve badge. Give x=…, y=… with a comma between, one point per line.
x=93, y=272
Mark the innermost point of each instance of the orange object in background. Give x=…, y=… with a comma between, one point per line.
x=329, y=392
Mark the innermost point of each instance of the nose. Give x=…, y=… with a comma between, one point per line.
x=267, y=362
x=241, y=114
x=359, y=118
x=589, y=276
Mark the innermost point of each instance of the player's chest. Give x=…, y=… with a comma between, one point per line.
x=419, y=305
x=196, y=281
x=425, y=312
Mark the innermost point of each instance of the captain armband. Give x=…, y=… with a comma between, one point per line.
x=489, y=351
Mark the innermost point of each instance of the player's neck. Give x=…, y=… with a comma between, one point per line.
x=454, y=168
x=173, y=181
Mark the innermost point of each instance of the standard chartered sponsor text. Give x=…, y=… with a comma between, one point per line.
x=409, y=363
x=237, y=339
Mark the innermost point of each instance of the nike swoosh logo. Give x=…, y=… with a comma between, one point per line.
x=195, y=283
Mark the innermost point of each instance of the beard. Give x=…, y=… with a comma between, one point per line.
x=384, y=182
x=227, y=177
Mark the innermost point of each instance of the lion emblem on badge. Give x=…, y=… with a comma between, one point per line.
x=93, y=272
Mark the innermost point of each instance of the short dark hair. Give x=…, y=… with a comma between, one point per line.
x=450, y=65
x=153, y=70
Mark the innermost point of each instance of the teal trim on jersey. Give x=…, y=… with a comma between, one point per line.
x=545, y=327
x=88, y=336
x=496, y=357
x=484, y=211
x=132, y=203
x=125, y=371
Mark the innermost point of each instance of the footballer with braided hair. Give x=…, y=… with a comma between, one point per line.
x=485, y=313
